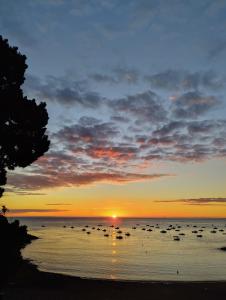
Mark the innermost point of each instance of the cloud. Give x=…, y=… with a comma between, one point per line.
x=185, y=141
x=117, y=76
x=120, y=119
x=88, y=131
x=23, y=193
x=127, y=75
x=110, y=142
x=193, y=104
x=173, y=80
x=31, y=182
x=103, y=78
x=192, y=128
x=119, y=153
x=145, y=107
x=37, y=182
x=168, y=140
x=205, y=126
x=169, y=128
x=197, y=201
x=62, y=90
x=168, y=80
x=91, y=152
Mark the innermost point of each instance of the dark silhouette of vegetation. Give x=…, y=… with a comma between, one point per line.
x=22, y=121
x=22, y=140
x=13, y=238
x=4, y=210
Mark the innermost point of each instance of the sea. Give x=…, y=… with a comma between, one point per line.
x=129, y=249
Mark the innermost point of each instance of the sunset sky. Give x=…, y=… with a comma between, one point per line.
x=136, y=96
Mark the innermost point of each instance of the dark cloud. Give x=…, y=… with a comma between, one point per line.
x=169, y=128
x=67, y=179
x=103, y=78
x=184, y=80
x=196, y=152
x=120, y=119
x=141, y=138
x=54, y=160
x=63, y=91
x=130, y=76
x=182, y=130
x=197, y=201
x=181, y=152
x=70, y=96
x=185, y=141
x=31, y=182
x=117, y=76
x=169, y=80
x=145, y=107
x=90, y=131
x=205, y=126
x=168, y=140
x=193, y=104
x=219, y=142
x=88, y=121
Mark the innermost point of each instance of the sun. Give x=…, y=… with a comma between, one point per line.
x=114, y=216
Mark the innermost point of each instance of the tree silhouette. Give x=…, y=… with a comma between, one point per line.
x=4, y=210
x=22, y=121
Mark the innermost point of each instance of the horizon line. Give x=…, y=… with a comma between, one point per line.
x=122, y=217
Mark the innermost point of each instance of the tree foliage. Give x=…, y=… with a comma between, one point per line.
x=22, y=121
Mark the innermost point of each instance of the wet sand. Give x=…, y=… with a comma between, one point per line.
x=29, y=283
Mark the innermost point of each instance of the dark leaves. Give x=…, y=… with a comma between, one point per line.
x=22, y=121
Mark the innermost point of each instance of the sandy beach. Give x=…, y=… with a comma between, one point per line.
x=29, y=283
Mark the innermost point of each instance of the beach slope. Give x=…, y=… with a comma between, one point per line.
x=29, y=283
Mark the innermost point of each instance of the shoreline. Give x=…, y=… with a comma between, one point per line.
x=30, y=283
x=166, y=281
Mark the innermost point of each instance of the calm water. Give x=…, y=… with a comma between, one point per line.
x=144, y=255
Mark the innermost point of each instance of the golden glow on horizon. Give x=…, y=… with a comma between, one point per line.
x=134, y=199
x=149, y=210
